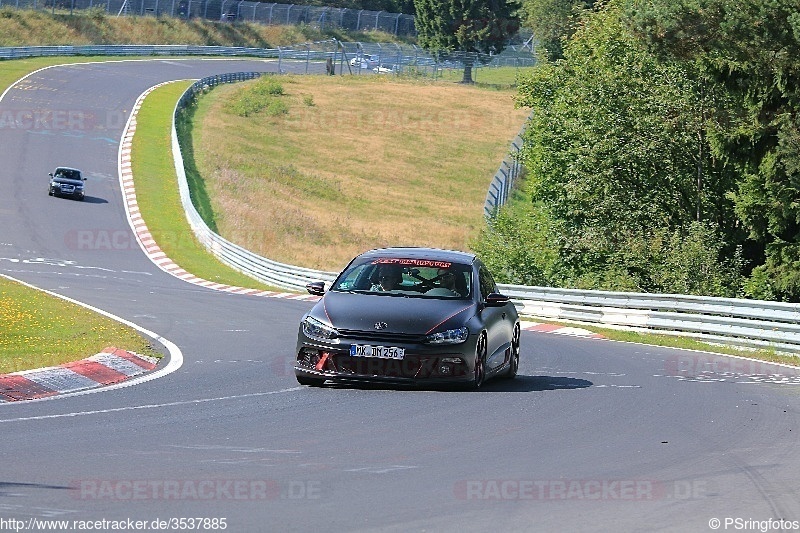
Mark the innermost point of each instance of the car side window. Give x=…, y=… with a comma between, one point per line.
x=486, y=281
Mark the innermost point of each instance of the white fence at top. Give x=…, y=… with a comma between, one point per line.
x=729, y=320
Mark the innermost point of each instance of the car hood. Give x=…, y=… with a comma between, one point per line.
x=414, y=316
x=68, y=181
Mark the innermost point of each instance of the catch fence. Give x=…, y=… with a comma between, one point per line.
x=321, y=17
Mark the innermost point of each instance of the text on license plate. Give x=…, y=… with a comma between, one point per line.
x=381, y=352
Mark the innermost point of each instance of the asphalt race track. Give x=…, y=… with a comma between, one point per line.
x=593, y=436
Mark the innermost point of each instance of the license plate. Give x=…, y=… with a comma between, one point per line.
x=381, y=352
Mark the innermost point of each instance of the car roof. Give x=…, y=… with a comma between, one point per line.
x=452, y=256
x=68, y=168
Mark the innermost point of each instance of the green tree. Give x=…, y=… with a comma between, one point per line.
x=751, y=49
x=618, y=160
x=552, y=22
x=468, y=31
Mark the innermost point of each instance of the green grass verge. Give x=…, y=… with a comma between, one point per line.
x=157, y=191
x=41, y=330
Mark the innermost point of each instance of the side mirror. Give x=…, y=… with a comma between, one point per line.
x=317, y=288
x=496, y=299
x=50, y=174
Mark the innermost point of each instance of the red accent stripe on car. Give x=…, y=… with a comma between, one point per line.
x=448, y=318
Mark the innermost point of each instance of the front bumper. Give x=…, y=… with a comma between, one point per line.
x=419, y=365
x=69, y=192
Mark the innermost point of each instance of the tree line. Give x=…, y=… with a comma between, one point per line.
x=663, y=153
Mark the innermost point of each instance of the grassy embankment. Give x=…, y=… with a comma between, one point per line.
x=351, y=163
x=24, y=27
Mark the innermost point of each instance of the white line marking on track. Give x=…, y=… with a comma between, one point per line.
x=148, y=406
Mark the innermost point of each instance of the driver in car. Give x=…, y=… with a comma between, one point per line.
x=389, y=278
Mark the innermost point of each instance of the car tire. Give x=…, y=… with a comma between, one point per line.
x=49, y=192
x=513, y=364
x=311, y=382
x=479, y=370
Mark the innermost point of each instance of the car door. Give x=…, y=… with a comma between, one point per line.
x=495, y=320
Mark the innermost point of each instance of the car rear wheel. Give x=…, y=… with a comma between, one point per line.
x=479, y=372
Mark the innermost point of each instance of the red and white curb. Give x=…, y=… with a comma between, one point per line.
x=145, y=238
x=109, y=367
x=559, y=330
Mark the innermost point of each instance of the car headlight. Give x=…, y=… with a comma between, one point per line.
x=315, y=329
x=451, y=336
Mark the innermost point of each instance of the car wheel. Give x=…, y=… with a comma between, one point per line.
x=311, y=382
x=479, y=372
x=513, y=364
x=49, y=192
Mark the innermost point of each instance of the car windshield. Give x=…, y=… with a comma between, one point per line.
x=67, y=173
x=418, y=278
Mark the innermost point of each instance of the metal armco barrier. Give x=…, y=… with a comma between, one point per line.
x=504, y=180
x=728, y=320
x=264, y=270
x=18, y=52
x=754, y=323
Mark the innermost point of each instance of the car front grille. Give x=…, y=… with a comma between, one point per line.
x=380, y=336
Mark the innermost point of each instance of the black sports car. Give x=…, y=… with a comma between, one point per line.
x=409, y=315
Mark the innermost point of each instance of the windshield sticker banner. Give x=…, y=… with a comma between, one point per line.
x=412, y=262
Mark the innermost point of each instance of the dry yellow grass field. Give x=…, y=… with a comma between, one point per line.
x=357, y=162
